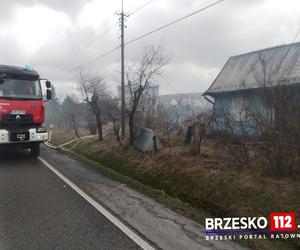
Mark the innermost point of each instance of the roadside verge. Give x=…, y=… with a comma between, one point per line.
x=166, y=228
x=183, y=191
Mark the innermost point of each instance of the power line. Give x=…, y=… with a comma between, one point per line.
x=100, y=35
x=90, y=61
x=147, y=34
x=98, y=57
x=104, y=30
x=139, y=7
x=109, y=28
x=173, y=22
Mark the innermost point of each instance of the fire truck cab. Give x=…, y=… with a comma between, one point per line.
x=22, y=109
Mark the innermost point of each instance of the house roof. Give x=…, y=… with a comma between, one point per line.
x=246, y=71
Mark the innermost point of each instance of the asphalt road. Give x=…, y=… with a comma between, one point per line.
x=39, y=211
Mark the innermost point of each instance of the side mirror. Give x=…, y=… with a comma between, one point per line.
x=48, y=84
x=49, y=94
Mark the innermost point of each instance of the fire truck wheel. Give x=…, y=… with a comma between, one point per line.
x=35, y=149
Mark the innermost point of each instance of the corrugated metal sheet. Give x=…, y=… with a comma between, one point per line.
x=251, y=69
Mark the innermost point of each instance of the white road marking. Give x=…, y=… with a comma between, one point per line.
x=132, y=235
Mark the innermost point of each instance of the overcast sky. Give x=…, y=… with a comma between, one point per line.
x=56, y=36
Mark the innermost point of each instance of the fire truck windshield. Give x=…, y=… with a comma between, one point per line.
x=20, y=89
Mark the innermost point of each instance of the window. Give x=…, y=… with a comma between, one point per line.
x=20, y=89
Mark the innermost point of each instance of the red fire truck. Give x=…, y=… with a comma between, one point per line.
x=22, y=109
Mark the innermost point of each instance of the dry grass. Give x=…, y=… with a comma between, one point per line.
x=208, y=181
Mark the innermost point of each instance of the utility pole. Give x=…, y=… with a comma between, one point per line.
x=123, y=116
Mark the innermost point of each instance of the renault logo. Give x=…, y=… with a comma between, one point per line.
x=18, y=117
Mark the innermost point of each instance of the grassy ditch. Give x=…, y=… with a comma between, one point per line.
x=189, y=184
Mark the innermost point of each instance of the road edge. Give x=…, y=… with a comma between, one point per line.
x=113, y=219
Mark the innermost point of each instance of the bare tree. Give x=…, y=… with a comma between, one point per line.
x=113, y=112
x=96, y=95
x=71, y=110
x=199, y=126
x=278, y=116
x=234, y=126
x=149, y=107
x=139, y=75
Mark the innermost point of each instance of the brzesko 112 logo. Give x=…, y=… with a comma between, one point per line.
x=277, y=226
x=283, y=222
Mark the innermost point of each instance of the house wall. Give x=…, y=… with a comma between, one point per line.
x=236, y=112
